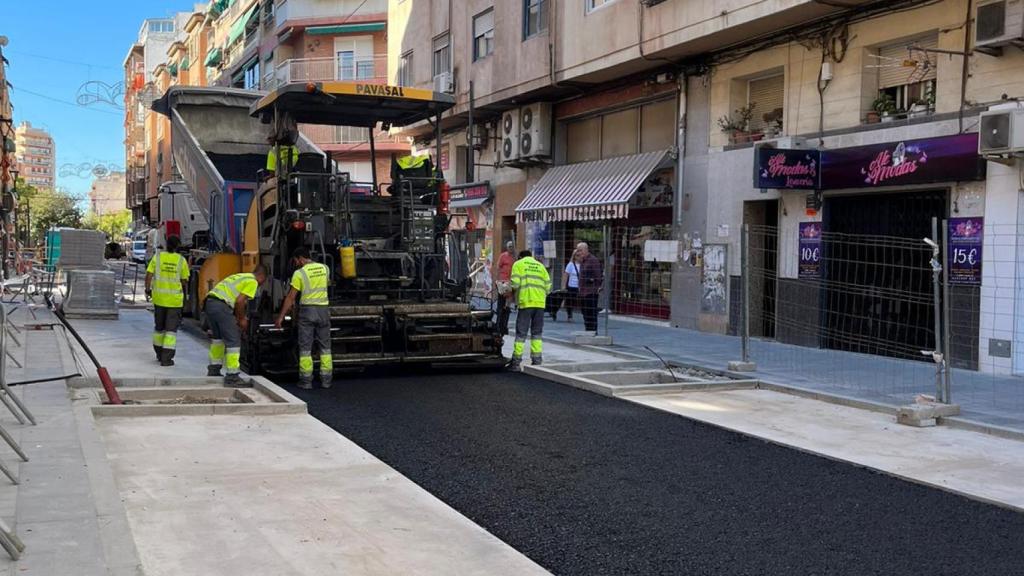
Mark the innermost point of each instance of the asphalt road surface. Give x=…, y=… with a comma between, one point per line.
x=589, y=485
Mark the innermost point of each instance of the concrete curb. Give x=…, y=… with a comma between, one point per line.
x=958, y=422
x=281, y=401
x=116, y=537
x=962, y=423
x=577, y=380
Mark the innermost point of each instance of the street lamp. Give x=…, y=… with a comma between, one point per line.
x=14, y=190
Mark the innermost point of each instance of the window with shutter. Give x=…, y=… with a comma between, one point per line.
x=768, y=96
x=908, y=76
x=898, y=66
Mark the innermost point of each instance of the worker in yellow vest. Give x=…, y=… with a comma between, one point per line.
x=226, y=308
x=532, y=284
x=314, y=318
x=166, y=284
x=282, y=152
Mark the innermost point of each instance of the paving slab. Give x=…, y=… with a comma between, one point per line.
x=125, y=347
x=281, y=495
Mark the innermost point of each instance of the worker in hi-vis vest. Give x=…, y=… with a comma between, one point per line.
x=532, y=284
x=166, y=284
x=281, y=152
x=314, y=317
x=226, y=308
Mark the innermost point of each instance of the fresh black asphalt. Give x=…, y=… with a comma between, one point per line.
x=589, y=485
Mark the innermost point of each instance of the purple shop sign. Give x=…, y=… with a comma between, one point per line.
x=923, y=161
x=810, y=250
x=966, y=236
x=787, y=169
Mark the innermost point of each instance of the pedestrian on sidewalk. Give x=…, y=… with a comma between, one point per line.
x=504, y=287
x=314, y=318
x=532, y=284
x=226, y=308
x=591, y=284
x=166, y=284
x=571, y=283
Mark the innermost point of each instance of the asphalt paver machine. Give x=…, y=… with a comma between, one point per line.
x=393, y=297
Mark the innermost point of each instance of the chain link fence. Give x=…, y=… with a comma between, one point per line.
x=885, y=318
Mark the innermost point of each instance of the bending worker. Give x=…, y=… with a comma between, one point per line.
x=314, y=317
x=226, y=309
x=532, y=284
x=166, y=284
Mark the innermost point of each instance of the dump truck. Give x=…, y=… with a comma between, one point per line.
x=393, y=295
x=218, y=150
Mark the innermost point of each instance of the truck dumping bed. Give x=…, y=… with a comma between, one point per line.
x=238, y=167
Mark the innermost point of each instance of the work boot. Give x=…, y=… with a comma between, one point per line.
x=305, y=385
x=166, y=362
x=326, y=382
x=236, y=381
x=213, y=370
x=515, y=364
x=159, y=352
x=536, y=360
x=167, y=357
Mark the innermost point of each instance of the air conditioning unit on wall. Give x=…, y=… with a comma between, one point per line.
x=998, y=23
x=1001, y=133
x=509, y=137
x=535, y=124
x=444, y=83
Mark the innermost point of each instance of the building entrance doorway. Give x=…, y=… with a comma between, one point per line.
x=762, y=218
x=878, y=287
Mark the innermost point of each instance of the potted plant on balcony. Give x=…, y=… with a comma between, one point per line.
x=918, y=108
x=882, y=109
x=773, y=123
x=737, y=125
x=923, y=106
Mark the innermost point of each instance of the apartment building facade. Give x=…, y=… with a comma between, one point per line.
x=686, y=97
x=107, y=194
x=35, y=156
x=156, y=35
x=254, y=45
x=262, y=44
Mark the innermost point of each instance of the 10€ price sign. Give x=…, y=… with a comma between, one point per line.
x=966, y=237
x=810, y=250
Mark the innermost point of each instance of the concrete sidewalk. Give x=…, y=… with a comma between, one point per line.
x=986, y=398
x=65, y=509
x=269, y=493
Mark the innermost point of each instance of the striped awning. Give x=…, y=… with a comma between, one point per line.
x=599, y=190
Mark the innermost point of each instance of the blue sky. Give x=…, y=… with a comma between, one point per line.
x=56, y=47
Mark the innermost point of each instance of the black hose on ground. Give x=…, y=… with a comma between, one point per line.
x=41, y=380
x=108, y=384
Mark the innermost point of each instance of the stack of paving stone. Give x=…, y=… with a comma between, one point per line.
x=90, y=285
x=90, y=294
x=82, y=249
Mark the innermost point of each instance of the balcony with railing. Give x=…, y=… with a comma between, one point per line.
x=352, y=139
x=346, y=66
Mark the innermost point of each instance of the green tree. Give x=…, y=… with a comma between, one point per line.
x=48, y=209
x=114, y=225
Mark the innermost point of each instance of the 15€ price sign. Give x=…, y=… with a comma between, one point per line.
x=810, y=250
x=966, y=237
